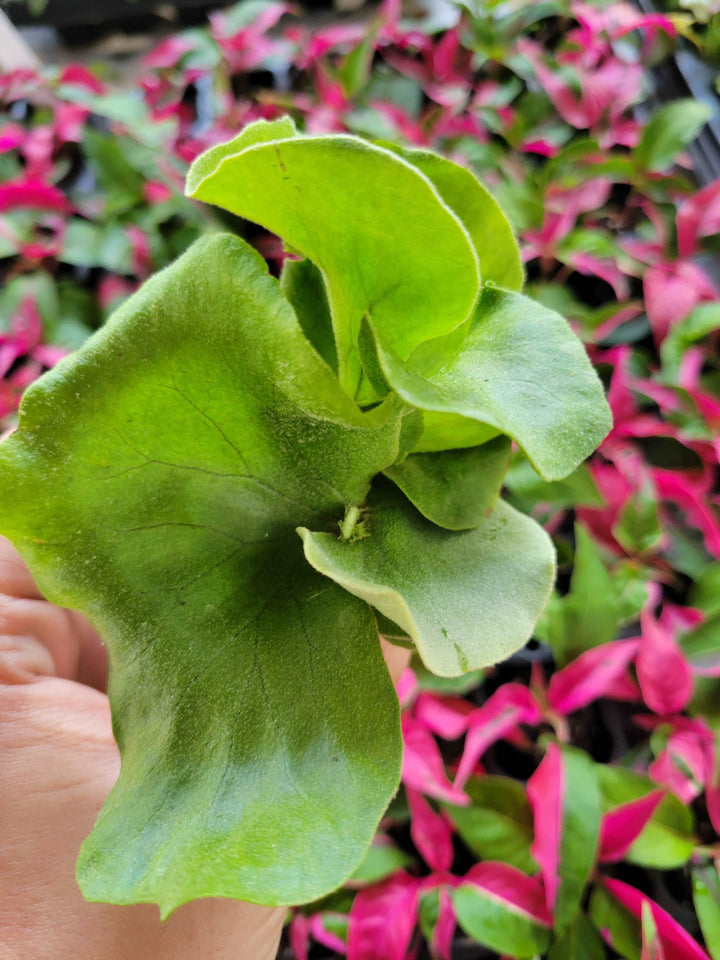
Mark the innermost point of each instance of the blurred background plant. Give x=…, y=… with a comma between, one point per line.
x=567, y=803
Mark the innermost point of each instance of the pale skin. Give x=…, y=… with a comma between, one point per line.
x=58, y=761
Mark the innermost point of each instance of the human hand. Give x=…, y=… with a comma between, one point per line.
x=58, y=761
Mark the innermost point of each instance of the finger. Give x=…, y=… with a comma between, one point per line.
x=396, y=658
x=38, y=639
x=58, y=760
x=15, y=578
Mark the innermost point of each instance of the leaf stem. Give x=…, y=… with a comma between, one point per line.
x=349, y=522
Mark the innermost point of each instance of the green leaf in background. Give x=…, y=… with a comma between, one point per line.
x=467, y=599
x=155, y=483
x=705, y=591
x=455, y=489
x=701, y=322
x=588, y=615
x=355, y=71
x=702, y=645
x=616, y=924
x=668, y=839
x=580, y=829
x=527, y=488
x=579, y=942
x=637, y=528
x=487, y=225
x=382, y=859
x=86, y=244
x=521, y=370
x=502, y=913
x=497, y=824
x=121, y=182
x=388, y=247
x=669, y=131
x=706, y=897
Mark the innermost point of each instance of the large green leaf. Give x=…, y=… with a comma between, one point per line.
x=455, y=489
x=303, y=285
x=155, y=483
x=482, y=215
x=448, y=431
x=467, y=599
x=521, y=370
x=388, y=247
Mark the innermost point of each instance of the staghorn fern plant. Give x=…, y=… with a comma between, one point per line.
x=239, y=480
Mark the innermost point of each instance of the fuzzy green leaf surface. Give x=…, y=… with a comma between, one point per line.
x=155, y=483
x=454, y=489
x=487, y=225
x=467, y=599
x=386, y=244
x=521, y=370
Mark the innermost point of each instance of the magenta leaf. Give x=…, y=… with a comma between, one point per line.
x=510, y=705
x=546, y=791
x=504, y=909
x=75, y=74
x=664, y=674
x=681, y=766
x=565, y=798
x=382, y=919
x=591, y=676
x=423, y=767
x=698, y=216
x=621, y=827
x=430, y=831
x=299, y=936
x=616, y=925
x=32, y=194
x=447, y=717
x=677, y=943
x=667, y=839
x=320, y=929
x=437, y=919
x=652, y=948
x=693, y=499
x=672, y=290
x=442, y=938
